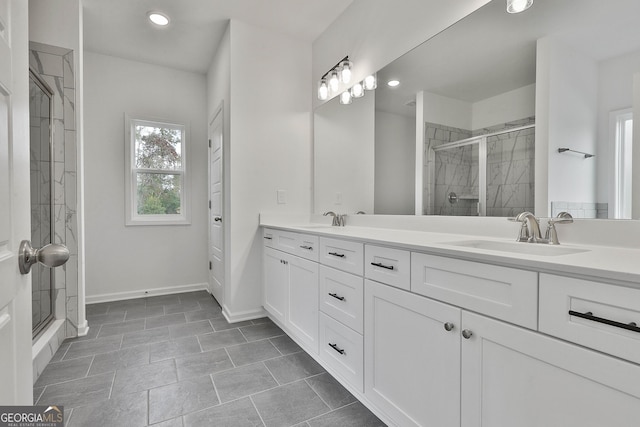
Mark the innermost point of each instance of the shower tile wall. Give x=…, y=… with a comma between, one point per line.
x=56, y=67
x=581, y=210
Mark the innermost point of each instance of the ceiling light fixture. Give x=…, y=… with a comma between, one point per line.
x=393, y=83
x=158, y=18
x=517, y=6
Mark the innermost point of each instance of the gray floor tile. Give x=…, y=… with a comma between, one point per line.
x=261, y=331
x=205, y=314
x=354, y=415
x=182, y=307
x=149, y=336
x=174, y=348
x=175, y=422
x=91, y=347
x=203, y=364
x=124, y=305
x=252, y=352
x=195, y=296
x=181, y=398
x=121, y=359
x=166, y=320
x=95, y=309
x=261, y=320
x=64, y=371
x=221, y=324
x=144, y=377
x=243, y=381
x=127, y=410
x=285, y=345
x=141, y=313
x=59, y=354
x=109, y=329
x=163, y=300
x=209, y=303
x=293, y=367
x=91, y=334
x=78, y=392
x=99, y=319
x=288, y=405
x=190, y=329
x=221, y=339
x=331, y=391
x=240, y=413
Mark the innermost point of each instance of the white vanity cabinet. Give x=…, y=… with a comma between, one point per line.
x=515, y=377
x=412, y=357
x=290, y=288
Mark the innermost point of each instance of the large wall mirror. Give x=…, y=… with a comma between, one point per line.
x=496, y=115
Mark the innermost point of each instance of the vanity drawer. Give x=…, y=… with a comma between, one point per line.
x=504, y=293
x=268, y=237
x=389, y=266
x=302, y=245
x=342, y=297
x=342, y=254
x=605, y=302
x=308, y=247
x=342, y=349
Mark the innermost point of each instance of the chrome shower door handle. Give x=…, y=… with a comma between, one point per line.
x=52, y=255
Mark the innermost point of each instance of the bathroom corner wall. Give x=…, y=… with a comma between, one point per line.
x=55, y=65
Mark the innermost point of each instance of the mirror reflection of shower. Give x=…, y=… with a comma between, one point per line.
x=42, y=196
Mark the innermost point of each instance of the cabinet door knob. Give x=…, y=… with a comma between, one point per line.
x=448, y=326
x=466, y=334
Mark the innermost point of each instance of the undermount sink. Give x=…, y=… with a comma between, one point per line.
x=539, y=249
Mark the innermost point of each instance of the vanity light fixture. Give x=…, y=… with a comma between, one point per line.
x=323, y=90
x=370, y=82
x=345, y=97
x=517, y=6
x=158, y=18
x=330, y=81
x=393, y=83
x=345, y=71
x=334, y=81
x=357, y=90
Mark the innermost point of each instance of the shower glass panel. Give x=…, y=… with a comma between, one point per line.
x=42, y=197
x=456, y=184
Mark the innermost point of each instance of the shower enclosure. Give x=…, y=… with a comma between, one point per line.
x=42, y=197
x=491, y=174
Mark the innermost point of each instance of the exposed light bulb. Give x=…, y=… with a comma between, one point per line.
x=370, y=82
x=393, y=83
x=345, y=97
x=345, y=71
x=517, y=6
x=357, y=91
x=158, y=18
x=334, y=82
x=323, y=90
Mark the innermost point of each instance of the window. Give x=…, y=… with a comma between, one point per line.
x=156, y=173
x=622, y=127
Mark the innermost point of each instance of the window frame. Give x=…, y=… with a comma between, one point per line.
x=132, y=218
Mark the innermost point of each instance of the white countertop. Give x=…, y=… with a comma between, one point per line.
x=601, y=263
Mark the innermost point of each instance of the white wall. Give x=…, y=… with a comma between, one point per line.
x=126, y=261
x=344, y=153
x=394, y=159
x=566, y=115
x=504, y=108
x=269, y=147
x=447, y=111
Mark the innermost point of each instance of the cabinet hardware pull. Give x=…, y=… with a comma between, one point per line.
x=589, y=316
x=336, y=254
x=448, y=326
x=268, y=238
x=336, y=296
x=336, y=348
x=307, y=247
x=377, y=264
x=466, y=334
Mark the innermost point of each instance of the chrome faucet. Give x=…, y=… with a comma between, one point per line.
x=551, y=235
x=530, y=230
x=335, y=218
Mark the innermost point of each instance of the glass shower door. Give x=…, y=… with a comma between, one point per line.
x=42, y=197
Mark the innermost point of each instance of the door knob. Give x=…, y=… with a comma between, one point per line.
x=218, y=219
x=52, y=255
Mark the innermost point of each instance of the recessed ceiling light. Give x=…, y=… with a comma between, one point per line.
x=158, y=18
x=517, y=6
x=393, y=83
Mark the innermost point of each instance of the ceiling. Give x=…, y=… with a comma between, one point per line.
x=121, y=28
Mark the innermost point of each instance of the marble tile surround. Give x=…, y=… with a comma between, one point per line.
x=510, y=170
x=55, y=66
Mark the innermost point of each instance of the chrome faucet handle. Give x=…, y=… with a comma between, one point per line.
x=342, y=220
x=562, y=218
x=533, y=228
x=552, y=235
x=335, y=218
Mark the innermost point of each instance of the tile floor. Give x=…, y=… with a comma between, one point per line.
x=174, y=361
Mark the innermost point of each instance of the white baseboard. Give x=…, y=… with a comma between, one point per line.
x=117, y=296
x=83, y=328
x=241, y=316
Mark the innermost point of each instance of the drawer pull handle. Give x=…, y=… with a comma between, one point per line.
x=589, y=316
x=268, y=238
x=377, y=264
x=337, y=297
x=307, y=247
x=336, y=348
x=336, y=254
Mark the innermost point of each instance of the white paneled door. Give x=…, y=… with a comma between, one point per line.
x=15, y=293
x=216, y=225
